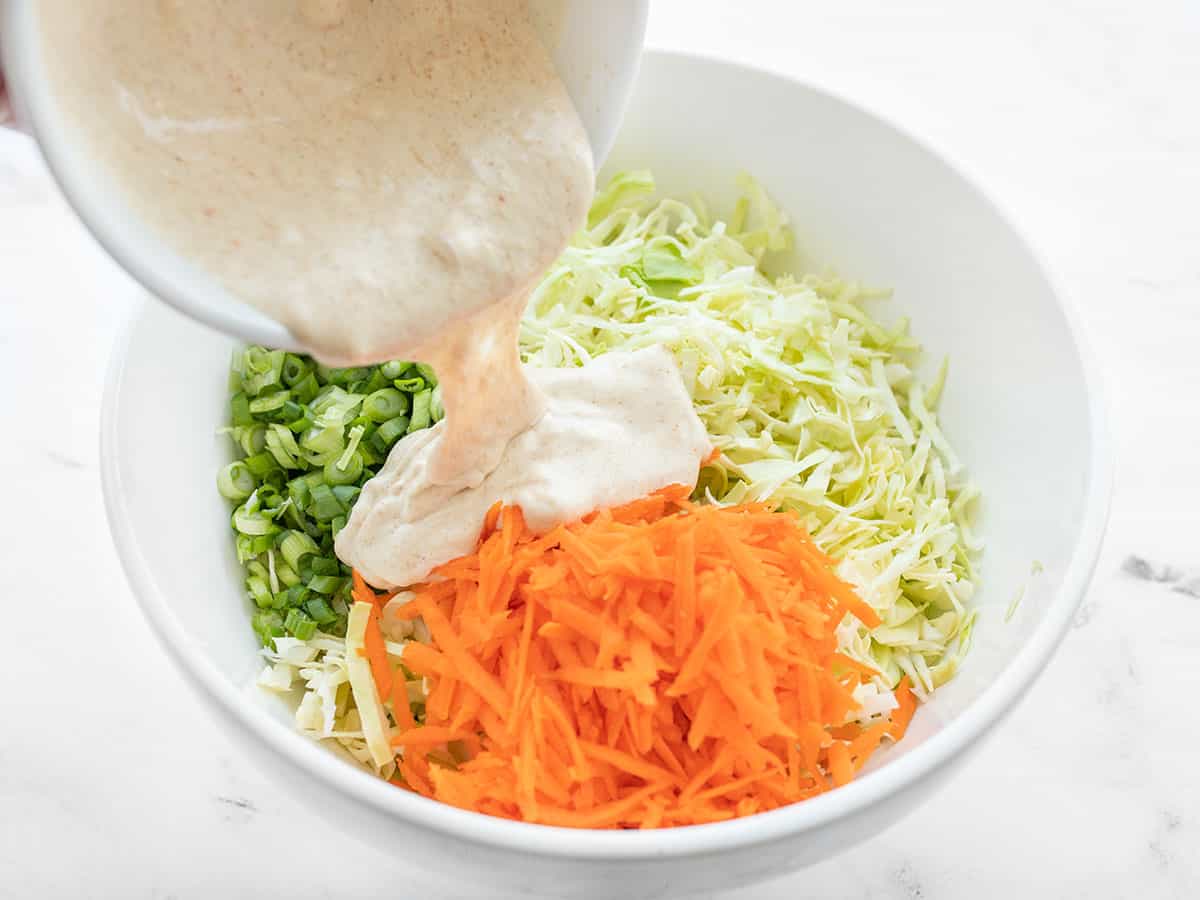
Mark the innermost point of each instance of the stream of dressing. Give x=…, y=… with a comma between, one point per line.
x=389, y=180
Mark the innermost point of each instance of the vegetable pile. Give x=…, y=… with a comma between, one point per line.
x=659, y=664
x=308, y=437
x=813, y=403
x=464, y=688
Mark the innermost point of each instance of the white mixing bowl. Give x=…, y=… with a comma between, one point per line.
x=1022, y=408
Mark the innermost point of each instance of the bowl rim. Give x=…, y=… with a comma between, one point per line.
x=871, y=789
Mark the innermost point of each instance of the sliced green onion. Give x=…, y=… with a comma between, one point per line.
x=291, y=411
x=295, y=545
x=267, y=624
x=239, y=410
x=311, y=436
x=428, y=374
x=281, y=444
x=385, y=404
x=323, y=565
x=306, y=389
x=370, y=456
x=272, y=574
x=335, y=407
x=264, y=369
x=305, y=630
x=318, y=608
x=437, y=411
x=393, y=369
x=260, y=464
x=270, y=500
x=286, y=574
x=336, y=474
x=294, y=617
x=296, y=595
x=274, y=479
x=325, y=504
x=312, y=479
x=253, y=523
x=342, y=376
x=295, y=519
x=259, y=592
x=410, y=385
x=294, y=370
x=302, y=423
x=377, y=381
x=328, y=441
x=336, y=525
x=347, y=494
x=252, y=546
x=237, y=365
x=235, y=482
x=279, y=451
x=302, y=626
x=252, y=438
x=421, y=411
x=299, y=491
x=269, y=402
x=325, y=584
x=356, y=436
x=388, y=433
x=255, y=360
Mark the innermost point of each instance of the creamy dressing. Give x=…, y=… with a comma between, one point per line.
x=389, y=180
x=364, y=172
x=615, y=430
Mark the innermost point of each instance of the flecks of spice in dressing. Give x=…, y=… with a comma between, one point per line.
x=388, y=180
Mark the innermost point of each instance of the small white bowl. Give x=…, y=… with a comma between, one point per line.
x=1022, y=407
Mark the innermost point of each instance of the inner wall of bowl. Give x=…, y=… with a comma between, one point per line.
x=864, y=200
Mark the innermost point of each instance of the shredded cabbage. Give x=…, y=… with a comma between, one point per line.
x=812, y=402
x=326, y=709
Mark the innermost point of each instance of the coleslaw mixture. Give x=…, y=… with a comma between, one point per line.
x=814, y=405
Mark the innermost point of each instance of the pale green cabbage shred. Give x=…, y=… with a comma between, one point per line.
x=812, y=402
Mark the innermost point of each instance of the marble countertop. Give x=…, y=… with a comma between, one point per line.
x=1080, y=116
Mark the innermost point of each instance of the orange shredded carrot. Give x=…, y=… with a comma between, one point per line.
x=425, y=735
x=903, y=715
x=401, y=711
x=361, y=591
x=664, y=663
x=841, y=769
x=376, y=653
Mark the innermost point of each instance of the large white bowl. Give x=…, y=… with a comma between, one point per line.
x=1022, y=407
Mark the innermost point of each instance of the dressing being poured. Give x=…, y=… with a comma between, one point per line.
x=389, y=180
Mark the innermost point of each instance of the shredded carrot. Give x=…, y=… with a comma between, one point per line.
x=664, y=663
x=361, y=591
x=903, y=715
x=841, y=769
x=425, y=735
x=401, y=711
x=376, y=653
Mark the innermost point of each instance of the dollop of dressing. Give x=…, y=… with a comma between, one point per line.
x=614, y=430
x=389, y=180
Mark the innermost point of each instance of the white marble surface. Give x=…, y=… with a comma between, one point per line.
x=1080, y=116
